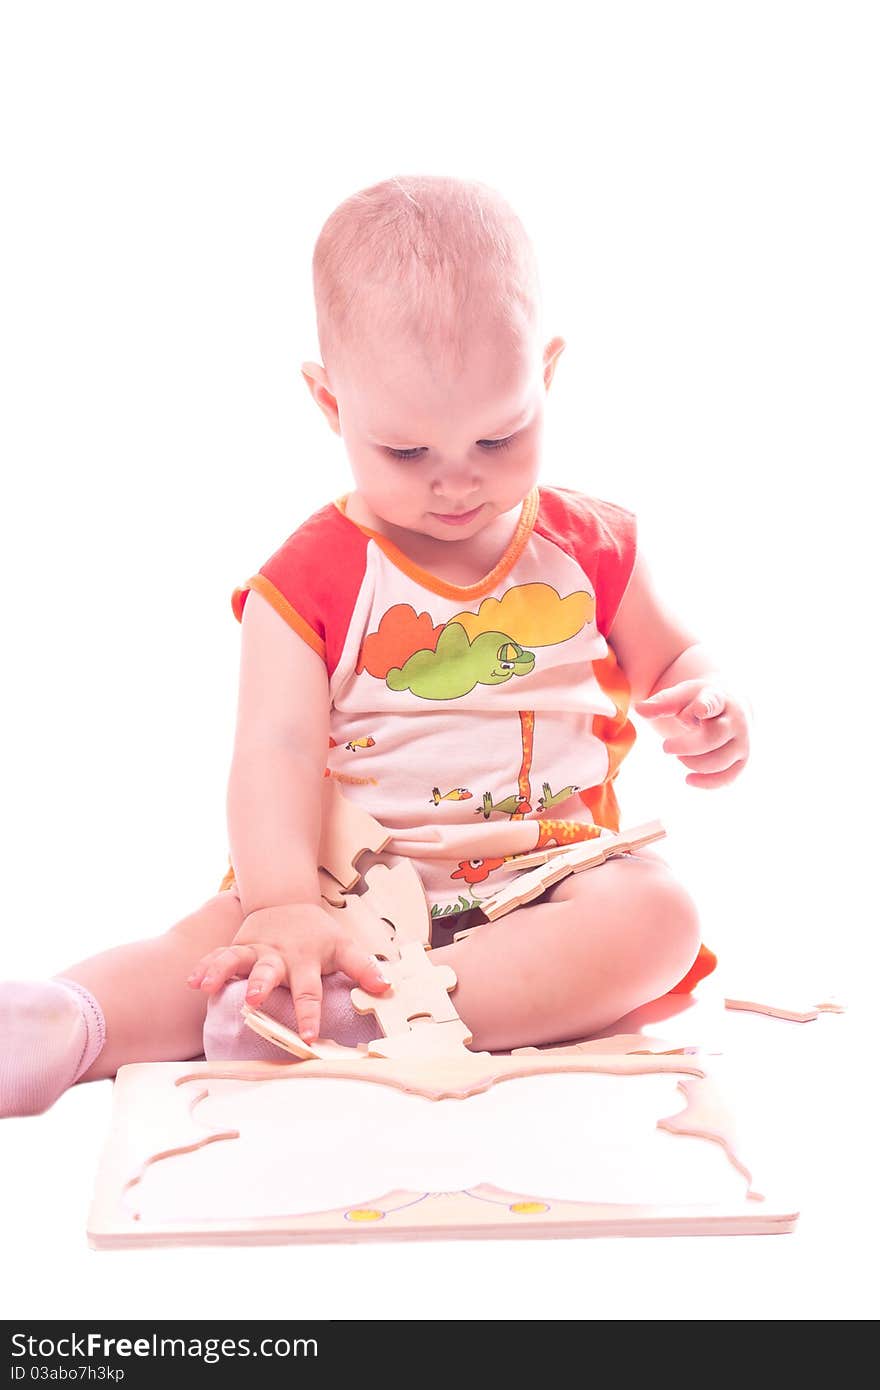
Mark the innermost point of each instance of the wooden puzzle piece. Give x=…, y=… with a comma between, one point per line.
x=797, y=1010
x=423, y=1039
x=530, y=885
x=346, y=831
x=605, y=844
x=330, y=889
x=417, y=988
x=273, y=1031
x=398, y=895
x=414, y=966
x=395, y=893
x=523, y=890
x=586, y=854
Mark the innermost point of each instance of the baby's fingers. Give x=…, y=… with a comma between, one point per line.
x=214, y=969
x=307, y=992
x=362, y=967
x=268, y=972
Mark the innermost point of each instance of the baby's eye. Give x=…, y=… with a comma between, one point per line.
x=483, y=443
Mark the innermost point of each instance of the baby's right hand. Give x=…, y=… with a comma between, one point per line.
x=294, y=944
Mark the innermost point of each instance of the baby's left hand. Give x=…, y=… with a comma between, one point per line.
x=716, y=741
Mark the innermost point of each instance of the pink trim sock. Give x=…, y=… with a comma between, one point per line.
x=51, y=1031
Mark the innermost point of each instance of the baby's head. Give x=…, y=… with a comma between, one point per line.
x=434, y=372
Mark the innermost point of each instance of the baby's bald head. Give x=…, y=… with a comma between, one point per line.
x=426, y=263
x=434, y=374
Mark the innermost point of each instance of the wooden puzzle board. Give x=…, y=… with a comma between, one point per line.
x=574, y=1141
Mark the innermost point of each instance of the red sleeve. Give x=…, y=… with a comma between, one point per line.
x=313, y=580
x=600, y=535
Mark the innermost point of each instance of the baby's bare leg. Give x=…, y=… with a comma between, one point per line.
x=596, y=945
x=151, y=1015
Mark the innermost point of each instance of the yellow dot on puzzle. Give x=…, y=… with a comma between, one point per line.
x=528, y=1208
x=364, y=1214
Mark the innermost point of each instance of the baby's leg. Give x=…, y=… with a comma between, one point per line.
x=596, y=945
x=150, y=1014
x=128, y=1004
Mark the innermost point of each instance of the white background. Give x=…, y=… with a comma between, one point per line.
x=700, y=183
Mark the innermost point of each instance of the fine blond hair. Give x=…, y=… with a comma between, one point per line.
x=420, y=260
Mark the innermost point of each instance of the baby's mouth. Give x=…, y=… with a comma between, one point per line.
x=458, y=517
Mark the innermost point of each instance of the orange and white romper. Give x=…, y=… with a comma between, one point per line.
x=449, y=703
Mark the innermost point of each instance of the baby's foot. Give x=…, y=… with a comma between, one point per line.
x=50, y=1033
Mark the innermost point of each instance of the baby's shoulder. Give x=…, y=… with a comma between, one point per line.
x=312, y=571
x=599, y=535
x=326, y=526
x=584, y=521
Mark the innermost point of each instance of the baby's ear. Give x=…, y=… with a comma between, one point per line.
x=319, y=385
x=552, y=353
x=314, y=376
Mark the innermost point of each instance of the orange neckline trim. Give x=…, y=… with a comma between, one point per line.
x=432, y=581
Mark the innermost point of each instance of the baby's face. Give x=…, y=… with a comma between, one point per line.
x=426, y=442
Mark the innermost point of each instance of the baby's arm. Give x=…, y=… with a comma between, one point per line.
x=274, y=809
x=653, y=648
x=280, y=752
x=657, y=653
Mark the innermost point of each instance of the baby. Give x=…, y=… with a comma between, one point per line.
x=458, y=646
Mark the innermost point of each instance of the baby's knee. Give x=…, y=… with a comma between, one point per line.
x=678, y=922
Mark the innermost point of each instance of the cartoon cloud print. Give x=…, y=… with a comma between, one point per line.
x=489, y=647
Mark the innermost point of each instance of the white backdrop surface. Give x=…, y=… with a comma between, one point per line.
x=700, y=183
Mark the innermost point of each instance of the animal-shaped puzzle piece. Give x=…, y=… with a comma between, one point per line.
x=417, y=988
x=346, y=831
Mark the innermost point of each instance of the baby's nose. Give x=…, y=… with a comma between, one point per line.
x=459, y=495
